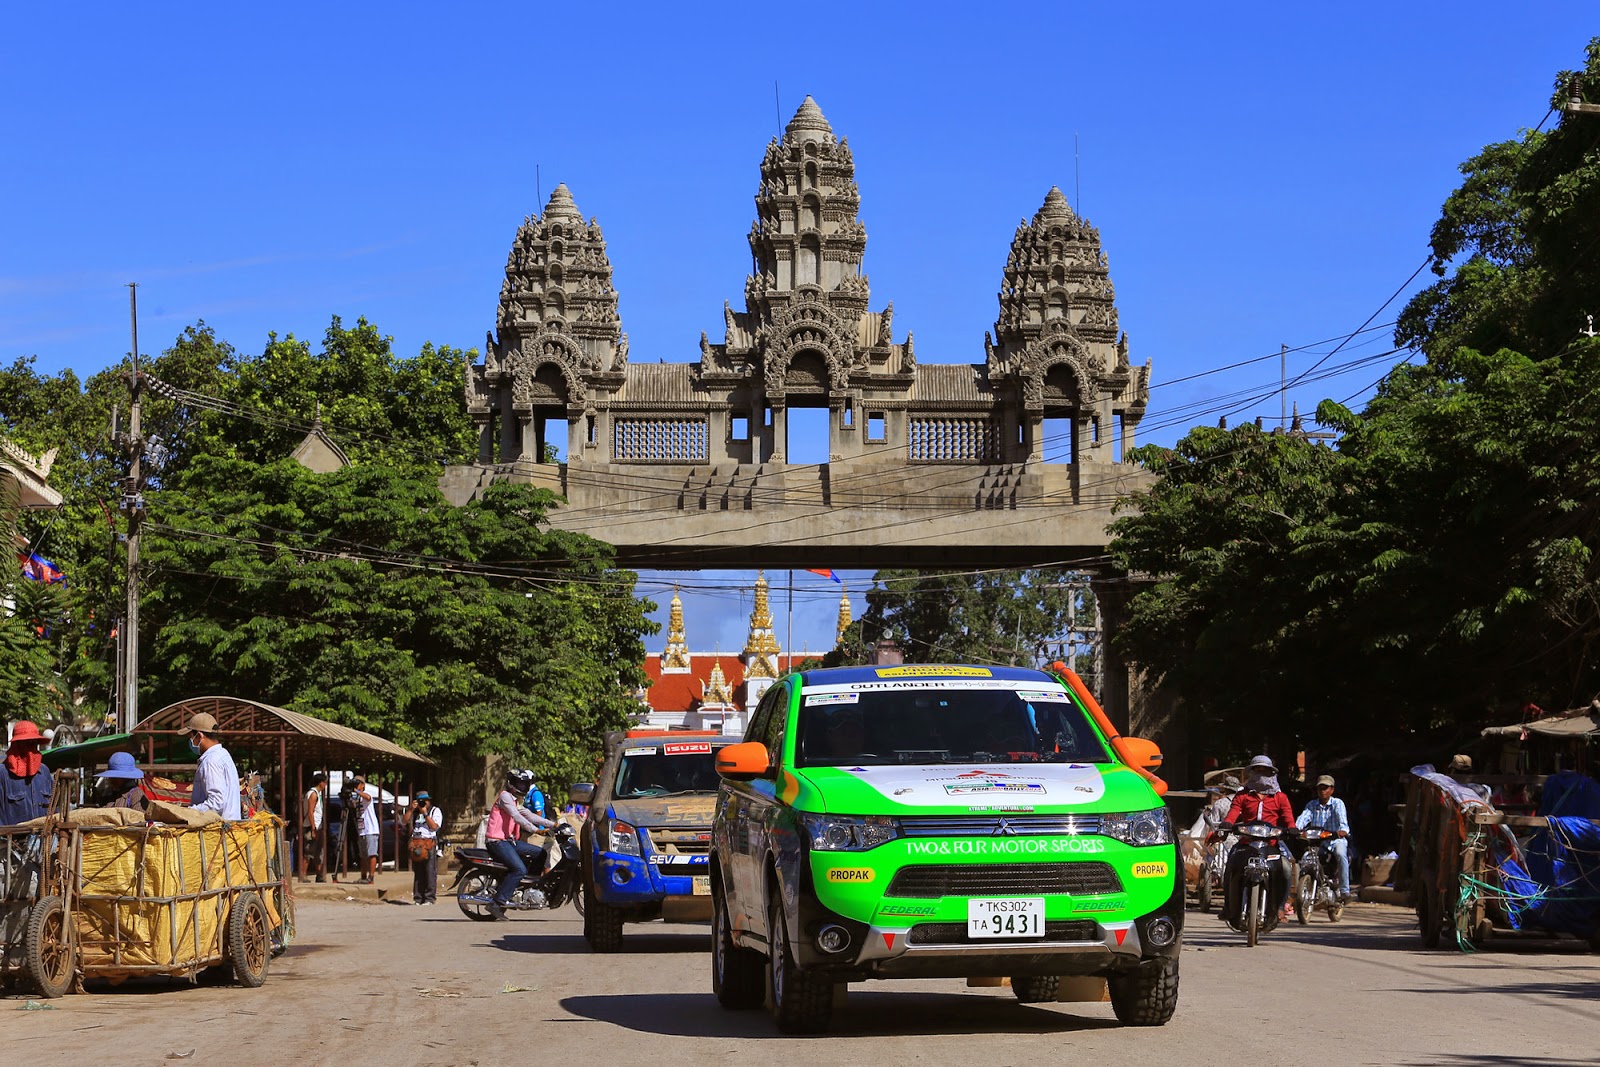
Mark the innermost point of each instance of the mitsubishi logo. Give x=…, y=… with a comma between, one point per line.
x=1005, y=829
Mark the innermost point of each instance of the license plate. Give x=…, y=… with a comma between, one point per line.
x=1017, y=917
x=702, y=886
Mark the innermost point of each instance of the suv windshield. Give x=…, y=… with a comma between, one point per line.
x=945, y=726
x=648, y=773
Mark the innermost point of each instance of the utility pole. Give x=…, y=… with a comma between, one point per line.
x=133, y=508
x=1283, y=385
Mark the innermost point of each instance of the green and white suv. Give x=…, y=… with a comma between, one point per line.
x=940, y=821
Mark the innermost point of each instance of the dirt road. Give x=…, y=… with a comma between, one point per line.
x=400, y=985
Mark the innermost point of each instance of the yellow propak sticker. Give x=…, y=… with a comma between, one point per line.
x=851, y=874
x=934, y=672
x=1154, y=869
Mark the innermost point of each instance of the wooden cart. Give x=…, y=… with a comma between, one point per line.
x=1446, y=863
x=120, y=901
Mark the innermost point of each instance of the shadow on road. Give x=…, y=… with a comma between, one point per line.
x=1484, y=1059
x=863, y=1014
x=1580, y=988
x=574, y=944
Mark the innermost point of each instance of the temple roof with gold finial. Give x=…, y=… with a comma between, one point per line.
x=844, y=617
x=761, y=647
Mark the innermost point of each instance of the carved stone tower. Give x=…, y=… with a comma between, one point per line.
x=557, y=326
x=1057, y=338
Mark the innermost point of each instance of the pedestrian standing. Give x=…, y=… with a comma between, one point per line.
x=426, y=819
x=25, y=782
x=368, y=830
x=313, y=809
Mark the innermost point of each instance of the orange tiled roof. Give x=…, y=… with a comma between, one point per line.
x=683, y=692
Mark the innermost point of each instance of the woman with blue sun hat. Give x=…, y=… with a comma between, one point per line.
x=119, y=783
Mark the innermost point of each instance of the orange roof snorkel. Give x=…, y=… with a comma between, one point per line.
x=1136, y=752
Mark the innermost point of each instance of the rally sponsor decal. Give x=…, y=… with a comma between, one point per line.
x=1010, y=788
x=1044, y=696
x=686, y=748
x=851, y=874
x=910, y=910
x=985, y=847
x=934, y=672
x=813, y=699
x=1150, y=869
x=646, y=750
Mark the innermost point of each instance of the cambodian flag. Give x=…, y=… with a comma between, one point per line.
x=824, y=572
x=38, y=568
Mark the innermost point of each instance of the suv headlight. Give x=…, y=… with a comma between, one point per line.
x=1151, y=827
x=848, y=833
x=622, y=837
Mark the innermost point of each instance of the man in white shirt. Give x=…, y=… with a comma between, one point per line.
x=366, y=800
x=312, y=807
x=216, y=779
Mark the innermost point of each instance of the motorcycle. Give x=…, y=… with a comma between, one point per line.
x=1314, y=886
x=1265, y=884
x=545, y=886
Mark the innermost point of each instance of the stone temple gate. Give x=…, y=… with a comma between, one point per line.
x=682, y=464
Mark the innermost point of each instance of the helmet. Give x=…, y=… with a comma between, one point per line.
x=521, y=779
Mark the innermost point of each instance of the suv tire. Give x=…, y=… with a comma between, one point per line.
x=1147, y=996
x=1036, y=988
x=736, y=974
x=602, y=923
x=802, y=1001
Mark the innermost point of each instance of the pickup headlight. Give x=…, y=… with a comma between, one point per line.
x=848, y=833
x=622, y=837
x=1151, y=827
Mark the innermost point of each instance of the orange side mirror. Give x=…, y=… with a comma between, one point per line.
x=1140, y=752
x=743, y=761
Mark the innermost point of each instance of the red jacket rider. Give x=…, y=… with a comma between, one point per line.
x=1272, y=808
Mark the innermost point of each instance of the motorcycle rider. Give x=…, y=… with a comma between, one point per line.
x=1326, y=812
x=506, y=821
x=1259, y=801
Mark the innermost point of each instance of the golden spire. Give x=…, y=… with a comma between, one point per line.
x=761, y=647
x=844, y=616
x=675, y=659
x=717, y=687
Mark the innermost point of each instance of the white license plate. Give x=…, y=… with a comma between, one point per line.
x=702, y=886
x=1018, y=917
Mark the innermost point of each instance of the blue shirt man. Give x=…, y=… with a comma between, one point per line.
x=1327, y=812
x=216, y=779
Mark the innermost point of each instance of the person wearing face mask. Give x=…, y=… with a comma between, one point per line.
x=1259, y=801
x=216, y=779
x=25, y=782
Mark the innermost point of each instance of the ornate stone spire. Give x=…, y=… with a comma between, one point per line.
x=717, y=691
x=761, y=647
x=558, y=281
x=808, y=124
x=675, y=659
x=1057, y=333
x=844, y=618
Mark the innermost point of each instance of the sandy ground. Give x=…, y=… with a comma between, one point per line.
x=398, y=985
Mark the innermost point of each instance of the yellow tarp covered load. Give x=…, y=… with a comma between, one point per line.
x=158, y=896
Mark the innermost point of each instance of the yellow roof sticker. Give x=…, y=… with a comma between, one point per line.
x=934, y=672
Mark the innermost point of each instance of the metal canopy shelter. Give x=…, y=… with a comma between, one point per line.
x=295, y=740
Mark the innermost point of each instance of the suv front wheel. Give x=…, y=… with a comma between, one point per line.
x=736, y=975
x=802, y=1001
x=1147, y=996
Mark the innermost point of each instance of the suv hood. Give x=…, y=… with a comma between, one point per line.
x=962, y=788
x=694, y=810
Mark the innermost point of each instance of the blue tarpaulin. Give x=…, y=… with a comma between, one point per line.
x=1558, y=887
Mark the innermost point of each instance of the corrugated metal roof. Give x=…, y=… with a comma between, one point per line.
x=238, y=717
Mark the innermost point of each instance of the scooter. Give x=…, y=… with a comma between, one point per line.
x=1264, y=882
x=1314, y=887
x=543, y=887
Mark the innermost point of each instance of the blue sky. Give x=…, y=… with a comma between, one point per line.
x=1261, y=174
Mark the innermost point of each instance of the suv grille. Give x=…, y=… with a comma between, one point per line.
x=1004, y=879
x=956, y=933
x=998, y=825
x=680, y=842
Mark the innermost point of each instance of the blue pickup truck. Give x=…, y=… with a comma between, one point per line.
x=646, y=842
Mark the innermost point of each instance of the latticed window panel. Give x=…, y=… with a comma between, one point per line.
x=953, y=440
x=660, y=441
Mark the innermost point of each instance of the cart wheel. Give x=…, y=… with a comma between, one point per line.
x=249, y=940
x=1429, y=920
x=47, y=948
